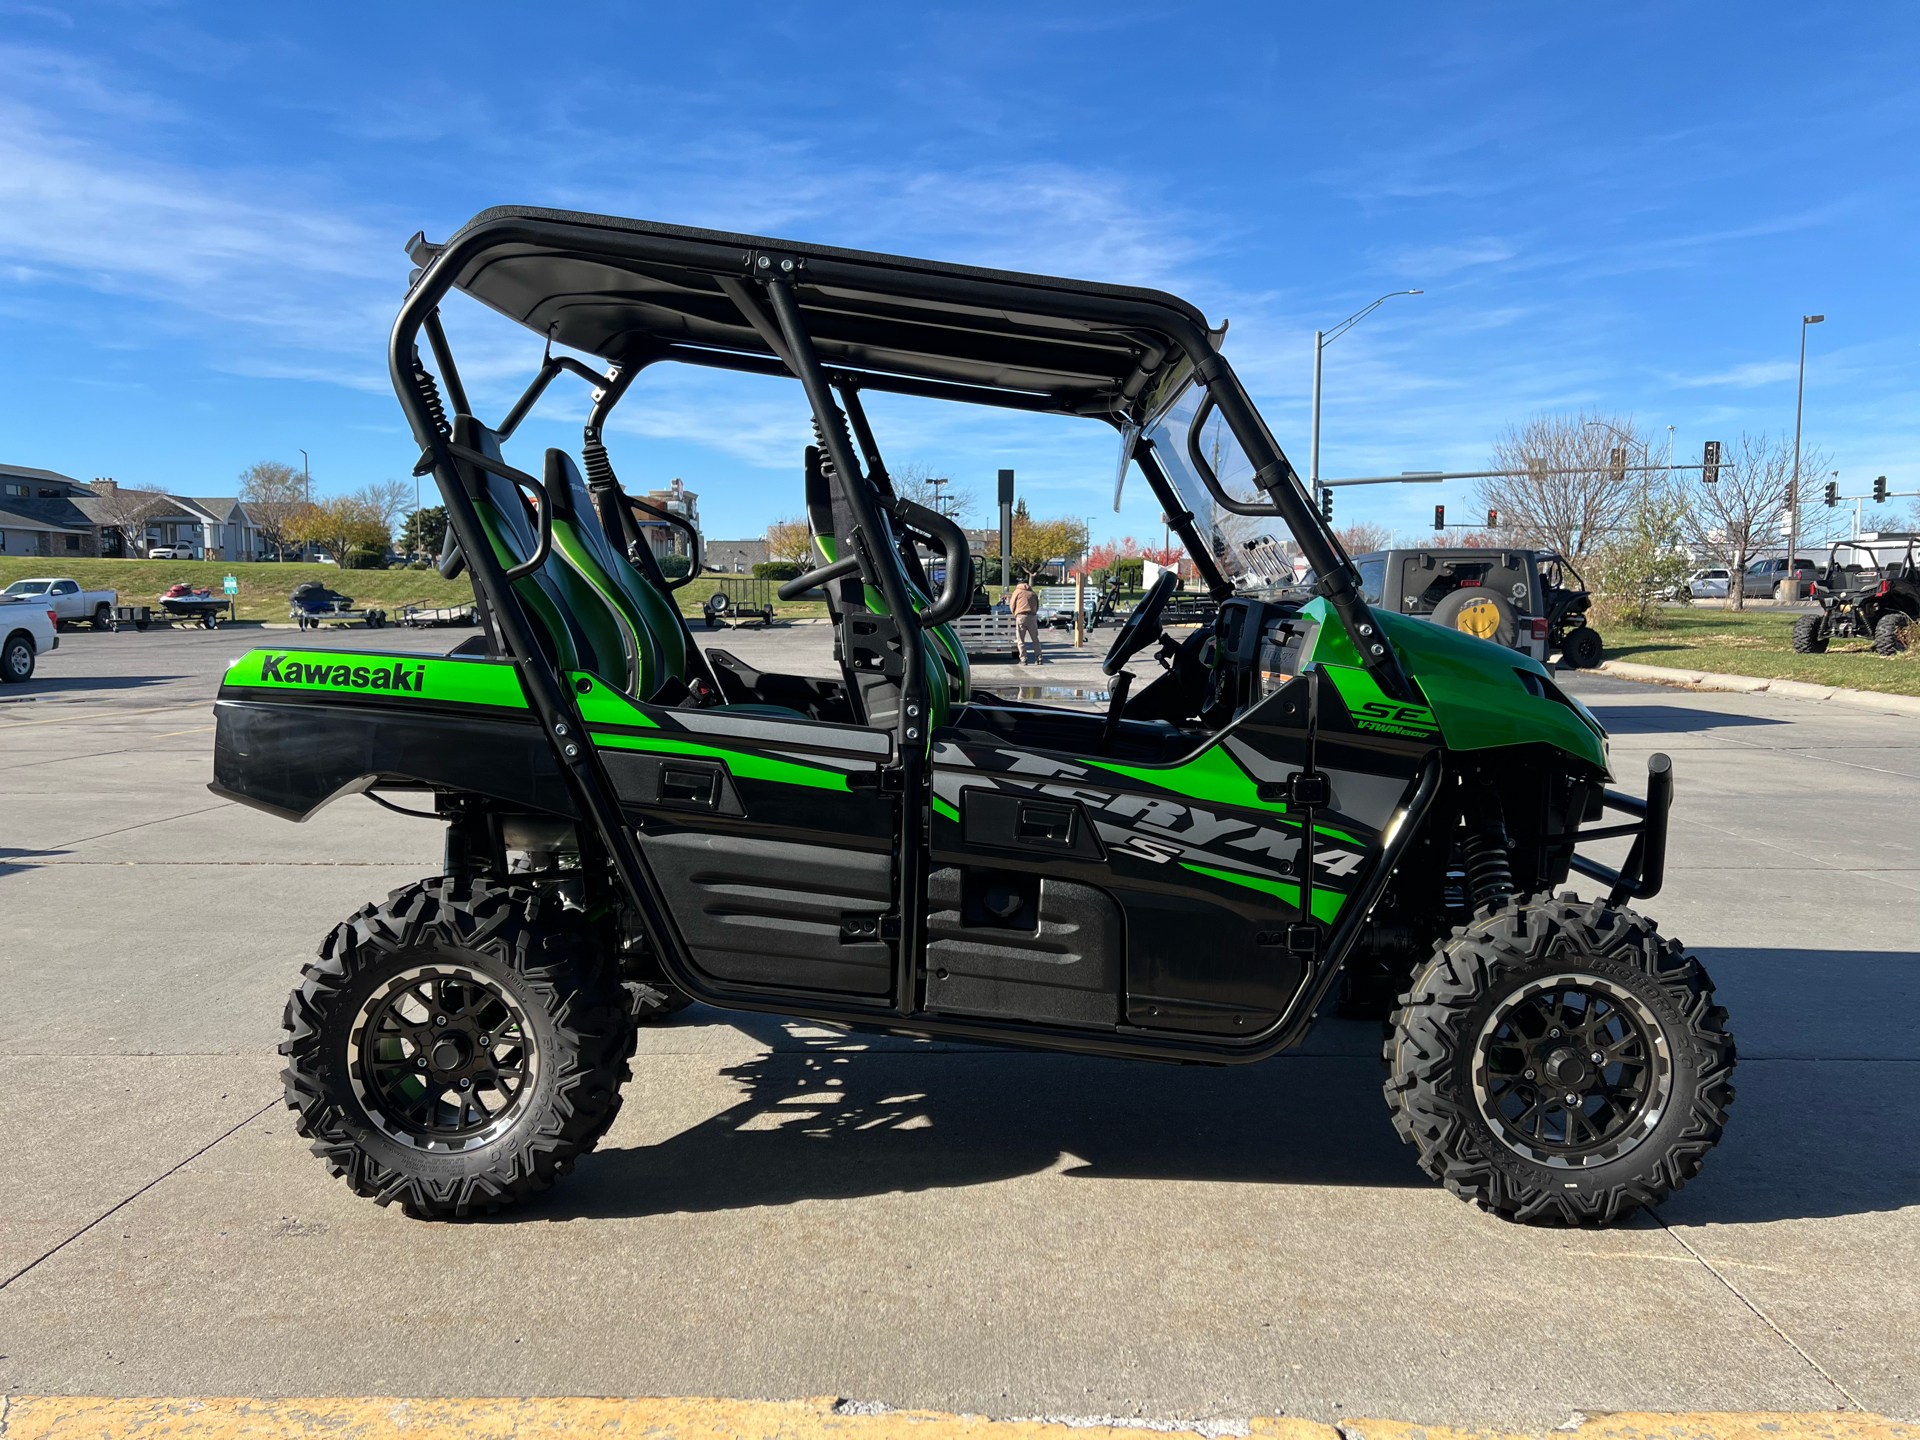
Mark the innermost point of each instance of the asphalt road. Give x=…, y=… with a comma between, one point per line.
x=784, y=1210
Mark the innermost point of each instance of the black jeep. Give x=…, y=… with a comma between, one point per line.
x=1531, y=600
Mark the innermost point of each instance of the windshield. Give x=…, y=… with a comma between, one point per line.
x=27, y=587
x=1242, y=546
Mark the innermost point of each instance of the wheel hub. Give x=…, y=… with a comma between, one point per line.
x=440, y=1057
x=1572, y=1070
x=1568, y=1070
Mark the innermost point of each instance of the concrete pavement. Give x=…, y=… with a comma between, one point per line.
x=786, y=1210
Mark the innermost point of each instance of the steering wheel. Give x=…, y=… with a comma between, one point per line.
x=1142, y=627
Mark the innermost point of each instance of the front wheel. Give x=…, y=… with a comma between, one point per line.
x=1810, y=633
x=1560, y=1062
x=103, y=616
x=457, y=1048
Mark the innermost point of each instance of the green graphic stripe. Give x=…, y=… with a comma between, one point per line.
x=604, y=704
x=942, y=808
x=335, y=672
x=1213, y=774
x=1326, y=903
x=740, y=762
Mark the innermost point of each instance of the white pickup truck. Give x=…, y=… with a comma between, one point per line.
x=68, y=601
x=25, y=630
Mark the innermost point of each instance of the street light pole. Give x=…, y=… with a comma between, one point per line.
x=306, y=474
x=1791, y=585
x=1322, y=339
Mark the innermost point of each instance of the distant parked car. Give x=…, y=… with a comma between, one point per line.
x=1707, y=584
x=170, y=552
x=68, y=601
x=1762, y=578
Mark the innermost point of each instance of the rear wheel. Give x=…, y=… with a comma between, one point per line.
x=1810, y=633
x=16, y=659
x=1581, y=649
x=103, y=616
x=1560, y=1062
x=1888, y=635
x=457, y=1048
x=1479, y=612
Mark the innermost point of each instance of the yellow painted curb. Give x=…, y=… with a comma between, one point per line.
x=68, y=1417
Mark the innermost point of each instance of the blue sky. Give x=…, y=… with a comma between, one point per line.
x=1622, y=207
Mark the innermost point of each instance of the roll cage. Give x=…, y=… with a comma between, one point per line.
x=840, y=322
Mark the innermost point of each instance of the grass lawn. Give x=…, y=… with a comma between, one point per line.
x=1758, y=642
x=264, y=587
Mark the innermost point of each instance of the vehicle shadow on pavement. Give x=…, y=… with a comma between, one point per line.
x=60, y=684
x=1822, y=1126
x=836, y=1120
x=8, y=852
x=1671, y=719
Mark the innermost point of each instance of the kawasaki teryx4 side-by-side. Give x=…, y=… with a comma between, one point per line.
x=632, y=823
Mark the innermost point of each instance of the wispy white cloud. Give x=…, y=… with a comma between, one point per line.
x=1744, y=377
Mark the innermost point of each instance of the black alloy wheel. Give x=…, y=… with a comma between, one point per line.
x=1581, y=648
x=440, y=1057
x=457, y=1047
x=1572, y=1071
x=1560, y=1062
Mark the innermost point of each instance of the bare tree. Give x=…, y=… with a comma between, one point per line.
x=125, y=508
x=386, y=500
x=1364, y=535
x=273, y=494
x=914, y=481
x=1578, y=479
x=1738, y=516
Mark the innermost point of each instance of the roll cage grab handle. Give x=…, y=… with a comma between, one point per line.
x=550, y=702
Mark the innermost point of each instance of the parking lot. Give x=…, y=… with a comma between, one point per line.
x=785, y=1210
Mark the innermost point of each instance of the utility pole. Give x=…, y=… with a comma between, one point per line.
x=1790, y=587
x=1006, y=532
x=1322, y=339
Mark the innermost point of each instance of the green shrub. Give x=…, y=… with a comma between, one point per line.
x=1127, y=571
x=364, y=558
x=674, y=566
x=778, y=570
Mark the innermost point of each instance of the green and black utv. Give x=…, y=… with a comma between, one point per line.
x=633, y=824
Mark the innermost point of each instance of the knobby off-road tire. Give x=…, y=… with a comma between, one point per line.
x=1887, y=639
x=452, y=980
x=1581, y=648
x=1810, y=635
x=1497, y=1032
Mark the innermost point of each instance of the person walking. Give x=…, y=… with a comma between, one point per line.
x=1025, y=606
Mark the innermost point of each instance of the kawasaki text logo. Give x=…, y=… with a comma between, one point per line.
x=281, y=670
x=1415, y=721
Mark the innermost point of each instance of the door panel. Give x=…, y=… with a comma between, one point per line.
x=769, y=839
x=1198, y=855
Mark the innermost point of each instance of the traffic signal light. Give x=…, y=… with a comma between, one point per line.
x=1880, y=490
x=1439, y=517
x=1617, y=463
x=1833, y=493
x=1493, y=519
x=1710, y=462
x=1326, y=503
